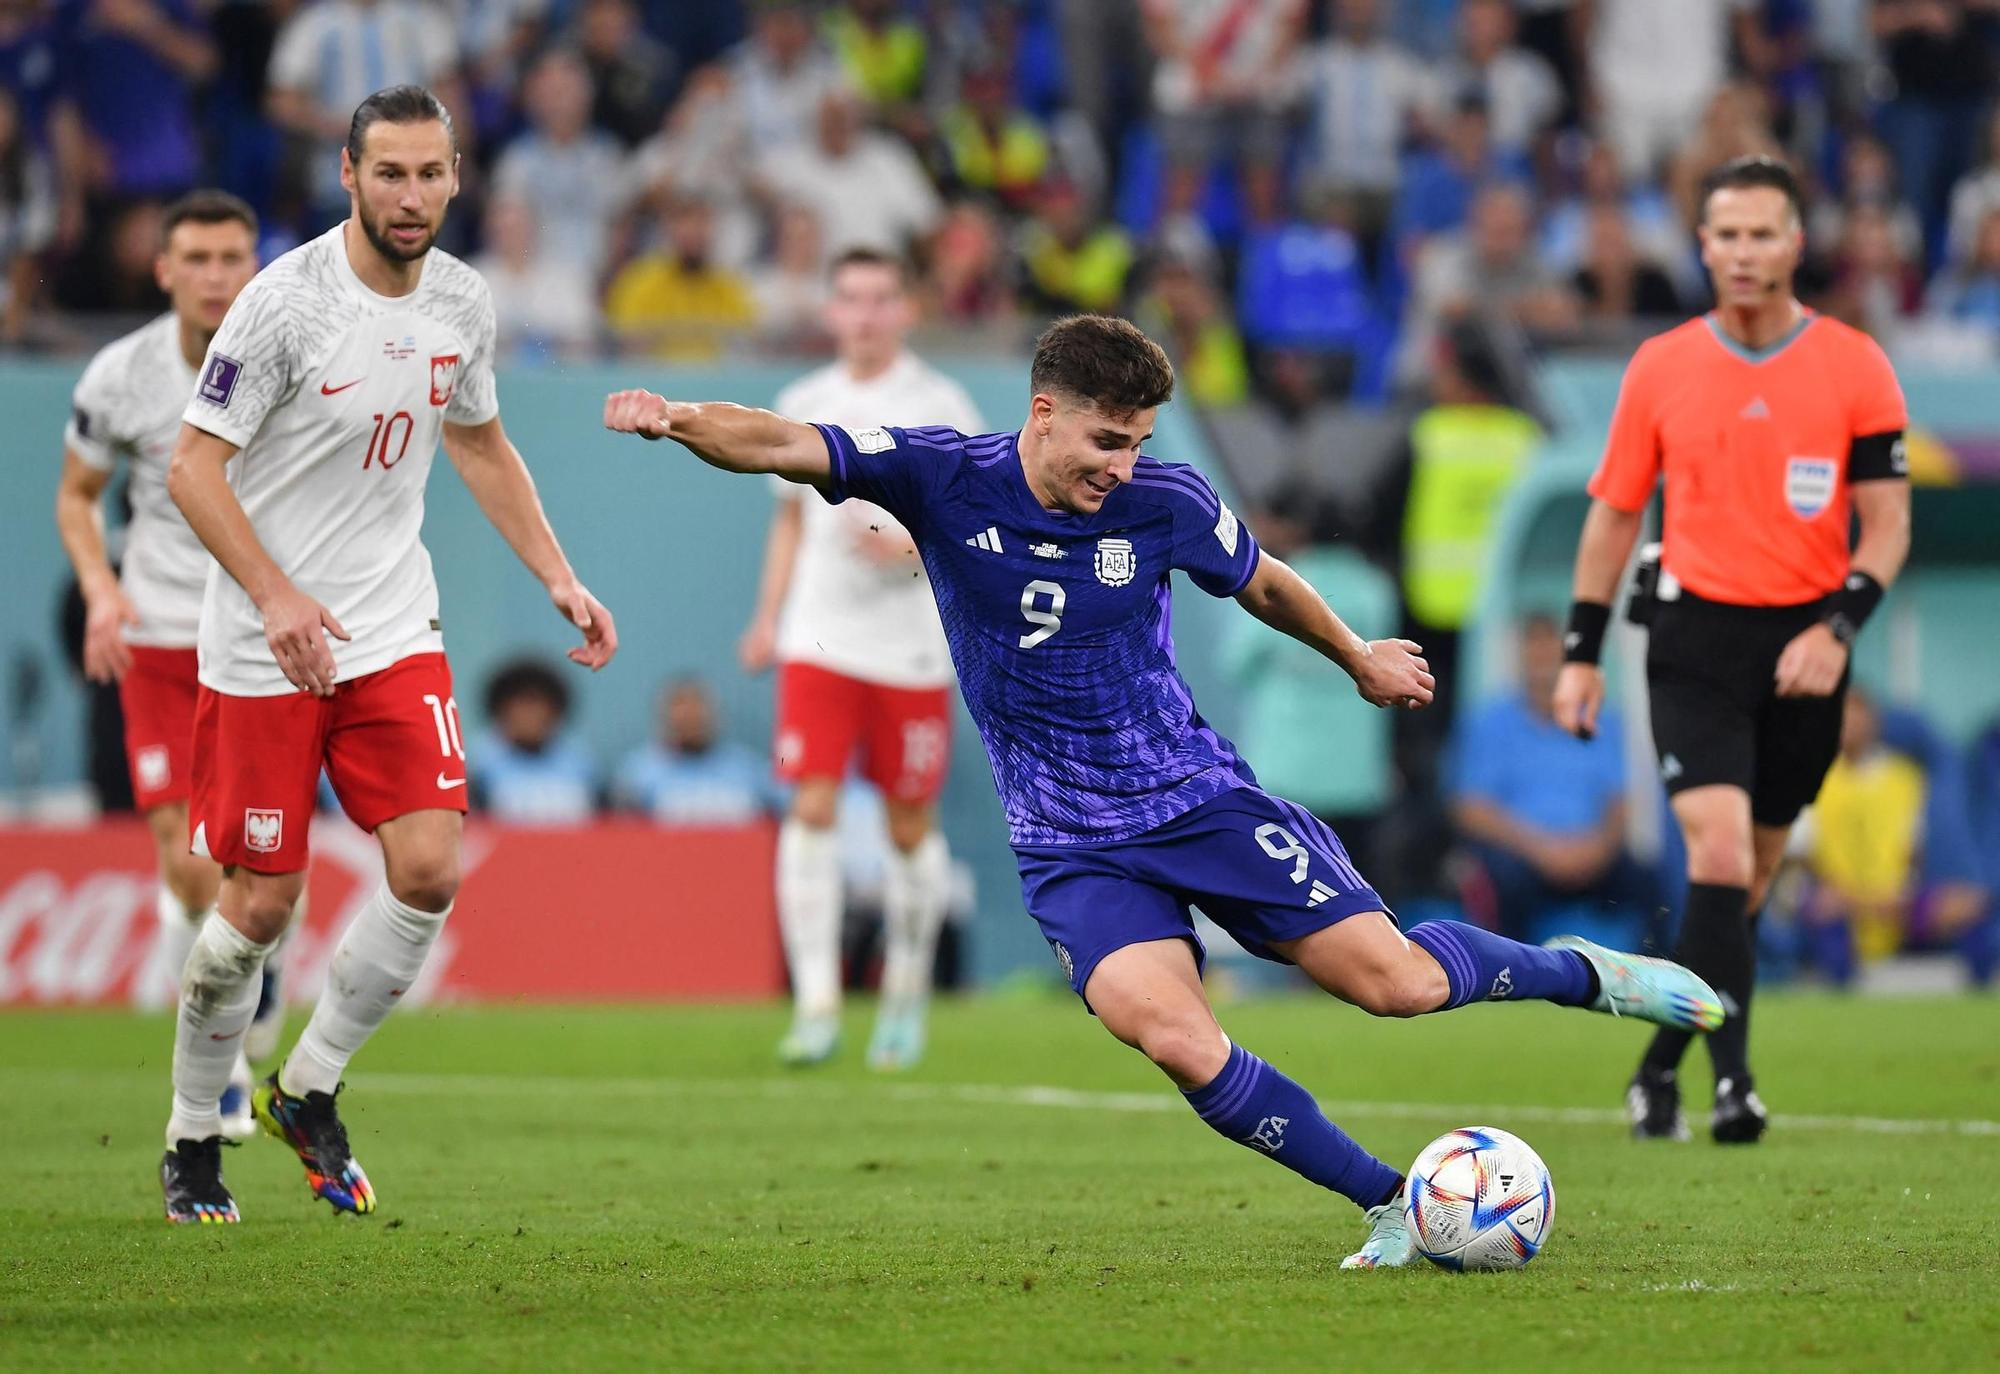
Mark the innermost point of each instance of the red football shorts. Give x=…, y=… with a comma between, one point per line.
x=389, y=742
x=158, y=695
x=904, y=733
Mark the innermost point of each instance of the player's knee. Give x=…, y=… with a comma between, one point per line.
x=1409, y=989
x=1187, y=1045
x=428, y=882
x=192, y=880
x=264, y=909
x=816, y=803
x=1717, y=856
x=908, y=826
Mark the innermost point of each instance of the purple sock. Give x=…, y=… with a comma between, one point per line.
x=1482, y=966
x=1253, y=1104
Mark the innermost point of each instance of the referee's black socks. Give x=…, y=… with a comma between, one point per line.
x=1716, y=942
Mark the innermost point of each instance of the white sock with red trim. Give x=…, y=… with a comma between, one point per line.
x=915, y=890
x=809, y=915
x=218, y=997
x=378, y=959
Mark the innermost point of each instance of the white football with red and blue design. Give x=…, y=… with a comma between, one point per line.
x=1479, y=1198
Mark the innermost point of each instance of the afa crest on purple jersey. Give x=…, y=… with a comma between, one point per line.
x=1060, y=624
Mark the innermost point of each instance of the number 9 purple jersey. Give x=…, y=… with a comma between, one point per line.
x=1059, y=624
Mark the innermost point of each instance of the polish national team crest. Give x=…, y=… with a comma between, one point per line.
x=1116, y=564
x=263, y=831
x=1809, y=484
x=152, y=766
x=444, y=376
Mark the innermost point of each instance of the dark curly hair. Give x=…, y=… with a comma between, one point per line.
x=1106, y=361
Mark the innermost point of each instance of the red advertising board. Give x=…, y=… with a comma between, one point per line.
x=612, y=911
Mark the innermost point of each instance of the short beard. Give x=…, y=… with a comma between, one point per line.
x=391, y=250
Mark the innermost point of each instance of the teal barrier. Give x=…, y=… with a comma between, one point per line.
x=672, y=546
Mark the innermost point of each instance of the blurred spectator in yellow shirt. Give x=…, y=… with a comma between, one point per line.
x=674, y=302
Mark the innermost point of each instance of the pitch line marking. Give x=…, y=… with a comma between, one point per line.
x=1044, y=1095
x=1005, y=1095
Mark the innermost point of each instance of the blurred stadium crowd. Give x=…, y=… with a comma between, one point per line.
x=1350, y=221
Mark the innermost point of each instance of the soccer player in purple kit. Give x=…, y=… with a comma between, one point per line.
x=1048, y=552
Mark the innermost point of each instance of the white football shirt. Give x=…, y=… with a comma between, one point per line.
x=127, y=405
x=844, y=611
x=337, y=398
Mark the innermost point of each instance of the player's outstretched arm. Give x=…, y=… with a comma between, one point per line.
x=498, y=478
x=1601, y=554
x=107, y=611
x=295, y=625
x=731, y=437
x=1387, y=672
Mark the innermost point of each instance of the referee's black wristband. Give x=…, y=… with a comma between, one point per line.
x=1583, y=641
x=1849, y=608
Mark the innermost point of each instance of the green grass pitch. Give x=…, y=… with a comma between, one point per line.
x=642, y=1188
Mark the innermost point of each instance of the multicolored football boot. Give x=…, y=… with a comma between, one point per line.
x=1656, y=990
x=898, y=1041
x=191, y=1180
x=311, y=1126
x=1389, y=1244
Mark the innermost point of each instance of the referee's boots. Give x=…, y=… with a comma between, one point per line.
x=1740, y=1118
x=1653, y=1103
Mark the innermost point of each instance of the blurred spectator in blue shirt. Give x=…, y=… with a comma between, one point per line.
x=1976, y=193
x=1440, y=184
x=522, y=767
x=1654, y=229
x=689, y=776
x=631, y=71
x=29, y=65
x=333, y=54
x=1543, y=811
x=780, y=77
x=126, y=94
x=1969, y=291
x=1523, y=97
x=1365, y=96
x=565, y=171
x=1301, y=285
x=1941, y=56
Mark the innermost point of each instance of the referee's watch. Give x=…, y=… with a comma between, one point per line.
x=1843, y=627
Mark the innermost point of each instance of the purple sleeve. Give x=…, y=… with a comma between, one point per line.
x=898, y=469
x=1211, y=545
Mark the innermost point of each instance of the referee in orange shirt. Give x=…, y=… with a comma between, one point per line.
x=1771, y=427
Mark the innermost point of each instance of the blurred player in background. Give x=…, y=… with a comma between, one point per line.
x=302, y=466
x=846, y=612
x=1049, y=552
x=140, y=626
x=1770, y=425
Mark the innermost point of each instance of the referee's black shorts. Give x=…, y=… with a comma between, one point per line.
x=1711, y=670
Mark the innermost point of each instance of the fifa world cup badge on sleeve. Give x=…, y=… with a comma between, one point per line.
x=1225, y=531
x=218, y=383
